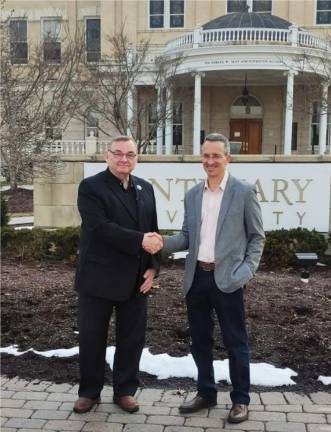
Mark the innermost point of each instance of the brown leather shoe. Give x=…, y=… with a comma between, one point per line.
x=83, y=404
x=238, y=413
x=196, y=404
x=127, y=403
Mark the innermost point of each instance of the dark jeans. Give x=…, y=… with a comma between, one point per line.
x=201, y=300
x=94, y=314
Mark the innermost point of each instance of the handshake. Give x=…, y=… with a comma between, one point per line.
x=152, y=242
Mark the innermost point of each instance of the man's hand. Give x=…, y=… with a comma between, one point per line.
x=149, y=277
x=152, y=242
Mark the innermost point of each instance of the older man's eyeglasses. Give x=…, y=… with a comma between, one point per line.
x=119, y=155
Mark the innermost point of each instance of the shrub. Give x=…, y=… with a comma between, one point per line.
x=281, y=245
x=4, y=212
x=62, y=244
x=24, y=243
x=7, y=236
x=39, y=244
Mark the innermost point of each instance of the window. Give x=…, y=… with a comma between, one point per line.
x=315, y=124
x=237, y=6
x=18, y=41
x=156, y=13
x=176, y=13
x=52, y=40
x=52, y=131
x=152, y=121
x=294, y=142
x=323, y=12
x=246, y=107
x=93, y=45
x=166, y=13
x=92, y=124
x=177, y=124
x=263, y=6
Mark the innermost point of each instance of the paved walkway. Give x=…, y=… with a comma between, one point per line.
x=39, y=405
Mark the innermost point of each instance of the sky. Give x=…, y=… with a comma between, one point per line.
x=164, y=366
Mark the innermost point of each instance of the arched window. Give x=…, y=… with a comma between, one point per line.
x=246, y=107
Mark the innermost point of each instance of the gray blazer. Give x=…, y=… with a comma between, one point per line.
x=239, y=235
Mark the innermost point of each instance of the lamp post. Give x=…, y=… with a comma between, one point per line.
x=305, y=260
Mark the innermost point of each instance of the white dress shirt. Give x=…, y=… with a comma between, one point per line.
x=211, y=204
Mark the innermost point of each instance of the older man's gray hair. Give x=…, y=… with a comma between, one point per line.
x=219, y=137
x=122, y=138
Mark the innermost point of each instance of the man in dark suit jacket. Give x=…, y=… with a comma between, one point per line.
x=114, y=272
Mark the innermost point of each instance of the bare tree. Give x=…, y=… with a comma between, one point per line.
x=113, y=89
x=313, y=68
x=314, y=72
x=37, y=98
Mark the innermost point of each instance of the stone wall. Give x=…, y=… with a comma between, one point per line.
x=55, y=197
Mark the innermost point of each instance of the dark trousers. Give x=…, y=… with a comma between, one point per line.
x=94, y=314
x=203, y=298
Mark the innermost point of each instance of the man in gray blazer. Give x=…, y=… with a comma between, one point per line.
x=223, y=233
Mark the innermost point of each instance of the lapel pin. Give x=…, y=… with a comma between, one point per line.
x=139, y=187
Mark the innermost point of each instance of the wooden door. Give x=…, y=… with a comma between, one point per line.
x=238, y=132
x=254, y=136
x=249, y=133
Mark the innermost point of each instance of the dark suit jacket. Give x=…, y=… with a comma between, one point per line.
x=111, y=260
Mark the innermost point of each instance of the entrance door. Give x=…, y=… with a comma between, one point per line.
x=249, y=133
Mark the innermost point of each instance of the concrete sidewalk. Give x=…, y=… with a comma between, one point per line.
x=40, y=405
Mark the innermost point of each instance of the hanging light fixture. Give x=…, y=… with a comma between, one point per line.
x=245, y=97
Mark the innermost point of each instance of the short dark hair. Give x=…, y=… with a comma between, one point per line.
x=221, y=138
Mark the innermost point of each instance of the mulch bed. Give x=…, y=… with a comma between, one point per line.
x=288, y=322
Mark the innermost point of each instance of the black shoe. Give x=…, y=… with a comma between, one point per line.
x=196, y=404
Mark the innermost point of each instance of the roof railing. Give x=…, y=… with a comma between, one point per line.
x=247, y=36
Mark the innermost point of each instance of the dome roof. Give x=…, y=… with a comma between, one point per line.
x=247, y=20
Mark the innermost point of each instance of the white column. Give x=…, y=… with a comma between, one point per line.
x=197, y=114
x=159, y=131
x=129, y=112
x=323, y=119
x=168, y=123
x=288, y=113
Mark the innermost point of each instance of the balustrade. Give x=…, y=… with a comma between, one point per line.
x=247, y=36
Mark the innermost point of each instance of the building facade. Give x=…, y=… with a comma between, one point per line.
x=257, y=71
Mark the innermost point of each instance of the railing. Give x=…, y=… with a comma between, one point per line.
x=247, y=36
x=186, y=39
x=309, y=40
x=244, y=35
x=102, y=146
x=67, y=147
x=79, y=148
x=152, y=149
x=92, y=146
